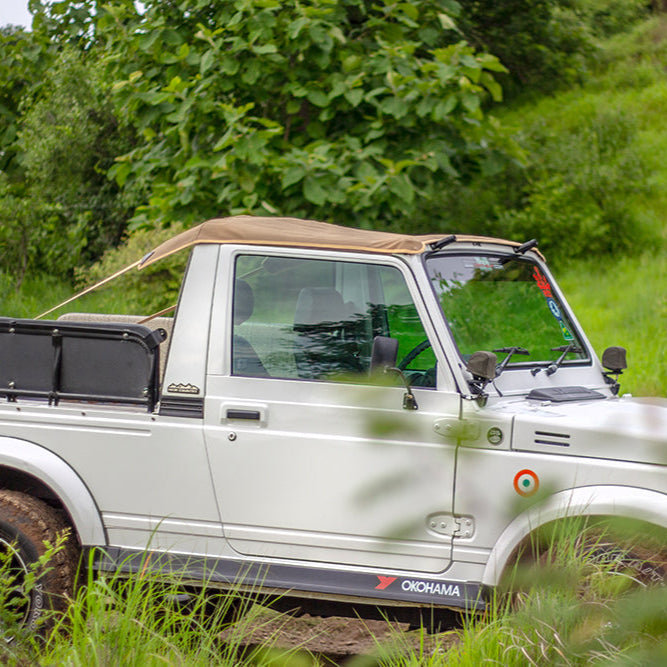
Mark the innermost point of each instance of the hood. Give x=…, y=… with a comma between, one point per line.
x=621, y=429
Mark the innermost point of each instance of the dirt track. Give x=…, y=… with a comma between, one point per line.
x=340, y=641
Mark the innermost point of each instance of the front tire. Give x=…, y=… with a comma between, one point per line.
x=26, y=525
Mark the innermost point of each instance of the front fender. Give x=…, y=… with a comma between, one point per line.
x=612, y=501
x=65, y=483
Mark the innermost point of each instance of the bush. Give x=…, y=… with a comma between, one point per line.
x=35, y=236
x=578, y=189
x=138, y=292
x=67, y=142
x=610, y=17
x=543, y=43
x=577, y=194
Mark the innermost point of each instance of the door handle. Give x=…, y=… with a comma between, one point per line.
x=237, y=413
x=250, y=415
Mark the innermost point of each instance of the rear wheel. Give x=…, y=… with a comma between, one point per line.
x=26, y=525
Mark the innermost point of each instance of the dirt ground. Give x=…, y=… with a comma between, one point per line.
x=344, y=641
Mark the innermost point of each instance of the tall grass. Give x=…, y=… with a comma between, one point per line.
x=576, y=598
x=152, y=619
x=577, y=603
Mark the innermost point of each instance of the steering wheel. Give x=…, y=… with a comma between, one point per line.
x=413, y=354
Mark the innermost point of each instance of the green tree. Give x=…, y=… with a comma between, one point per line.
x=68, y=141
x=543, y=43
x=346, y=110
x=58, y=139
x=25, y=57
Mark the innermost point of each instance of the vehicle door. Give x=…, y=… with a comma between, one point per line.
x=313, y=457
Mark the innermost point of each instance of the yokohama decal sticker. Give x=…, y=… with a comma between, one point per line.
x=455, y=594
x=384, y=582
x=526, y=483
x=437, y=588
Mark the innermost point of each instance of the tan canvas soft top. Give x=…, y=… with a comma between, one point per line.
x=297, y=233
x=288, y=233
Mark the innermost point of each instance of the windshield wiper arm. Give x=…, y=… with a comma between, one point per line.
x=510, y=352
x=555, y=365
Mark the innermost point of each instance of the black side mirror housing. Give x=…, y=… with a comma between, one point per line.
x=614, y=359
x=482, y=365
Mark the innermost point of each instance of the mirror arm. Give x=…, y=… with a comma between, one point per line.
x=409, y=400
x=611, y=378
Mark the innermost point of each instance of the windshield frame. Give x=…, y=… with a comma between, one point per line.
x=516, y=363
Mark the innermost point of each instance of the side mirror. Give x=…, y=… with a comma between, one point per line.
x=615, y=361
x=384, y=353
x=483, y=366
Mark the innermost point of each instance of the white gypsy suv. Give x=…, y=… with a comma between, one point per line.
x=332, y=414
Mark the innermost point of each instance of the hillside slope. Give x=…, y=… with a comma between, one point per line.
x=619, y=297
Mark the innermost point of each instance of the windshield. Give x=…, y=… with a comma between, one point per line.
x=495, y=302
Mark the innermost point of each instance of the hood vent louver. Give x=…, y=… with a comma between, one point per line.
x=553, y=439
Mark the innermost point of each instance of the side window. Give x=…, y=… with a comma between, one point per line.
x=316, y=319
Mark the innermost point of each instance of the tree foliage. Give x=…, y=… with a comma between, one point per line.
x=576, y=193
x=68, y=142
x=25, y=57
x=543, y=43
x=352, y=111
x=373, y=113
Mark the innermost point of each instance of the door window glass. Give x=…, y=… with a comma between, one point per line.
x=316, y=319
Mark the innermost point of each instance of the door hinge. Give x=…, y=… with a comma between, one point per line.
x=451, y=525
x=465, y=526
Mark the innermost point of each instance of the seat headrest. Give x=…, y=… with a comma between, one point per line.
x=319, y=304
x=244, y=301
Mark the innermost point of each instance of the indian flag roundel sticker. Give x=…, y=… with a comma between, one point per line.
x=526, y=483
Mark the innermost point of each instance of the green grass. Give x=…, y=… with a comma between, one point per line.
x=570, y=603
x=579, y=605
x=623, y=301
x=39, y=293
x=138, y=620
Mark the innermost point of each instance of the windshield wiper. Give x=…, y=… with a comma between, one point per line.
x=555, y=365
x=510, y=352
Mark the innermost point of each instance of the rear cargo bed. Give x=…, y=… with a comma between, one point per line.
x=59, y=360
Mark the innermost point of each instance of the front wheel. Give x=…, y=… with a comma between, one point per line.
x=32, y=589
x=642, y=564
x=594, y=557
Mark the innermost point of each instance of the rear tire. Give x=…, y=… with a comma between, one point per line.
x=26, y=523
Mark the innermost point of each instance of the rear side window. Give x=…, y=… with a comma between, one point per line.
x=316, y=319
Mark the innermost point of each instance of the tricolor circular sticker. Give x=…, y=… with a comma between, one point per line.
x=526, y=483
